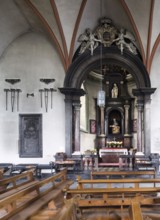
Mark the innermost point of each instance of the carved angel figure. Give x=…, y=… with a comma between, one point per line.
x=122, y=41
x=89, y=41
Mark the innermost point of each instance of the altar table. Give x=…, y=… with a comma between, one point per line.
x=111, y=156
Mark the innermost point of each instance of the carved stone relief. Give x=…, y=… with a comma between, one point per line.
x=107, y=34
x=30, y=131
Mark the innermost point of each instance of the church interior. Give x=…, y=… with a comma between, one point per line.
x=79, y=109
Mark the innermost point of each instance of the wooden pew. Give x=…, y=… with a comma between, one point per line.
x=119, y=188
x=13, y=184
x=7, y=167
x=105, y=194
x=122, y=174
x=1, y=177
x=135, y=211
x=27, y=202
x=66, y=212
x=110, y=183
x=1, y=173
x=20, y=168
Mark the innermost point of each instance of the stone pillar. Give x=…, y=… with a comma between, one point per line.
x=143, y=105
x=72, y=95
x=126, y=129
x=77, y=107
x=139, y=127
x=147, y=125
x=68, y=125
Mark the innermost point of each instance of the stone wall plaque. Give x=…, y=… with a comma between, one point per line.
x=30, y=135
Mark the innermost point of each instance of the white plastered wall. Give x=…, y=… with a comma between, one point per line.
x=29, y=58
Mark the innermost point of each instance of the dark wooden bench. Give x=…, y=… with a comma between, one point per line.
x=20, y=168
x=27, y=202
x=51, y=168
x=7, y=167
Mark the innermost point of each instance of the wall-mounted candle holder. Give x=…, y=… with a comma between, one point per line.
x=14, y=96
x=46, y=93
x=47, y=81
x=12, y=81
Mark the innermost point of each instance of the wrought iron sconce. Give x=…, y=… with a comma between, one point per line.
x=12, y=81
x=14, y=96
x=47, y=81
x=46, y=93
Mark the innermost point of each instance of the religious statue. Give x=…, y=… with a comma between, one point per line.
x=122, y=41
x=115, y=127
x=114, y=92
x=107, y=35
x=89, y=41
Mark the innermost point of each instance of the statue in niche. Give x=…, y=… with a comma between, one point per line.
x=114, y=91
x=115, y=127
x=89, y=41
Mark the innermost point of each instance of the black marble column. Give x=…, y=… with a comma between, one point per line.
x=143, y=107
x=126, y=130
x=72, y=96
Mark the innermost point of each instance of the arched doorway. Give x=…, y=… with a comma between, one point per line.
x=79, y=71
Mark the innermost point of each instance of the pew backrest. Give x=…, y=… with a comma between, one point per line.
x=123, y=174
x=15, y=203
x=14, y=182
x=112, y=183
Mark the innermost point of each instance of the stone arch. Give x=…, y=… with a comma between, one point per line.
x=77, y=73
x=80, y=68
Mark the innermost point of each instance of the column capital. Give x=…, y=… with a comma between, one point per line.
x=77, y=105
x=140, y=106
x=72, y=92
x=126, y=107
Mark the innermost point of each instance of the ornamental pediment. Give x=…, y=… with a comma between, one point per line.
x=107, y=34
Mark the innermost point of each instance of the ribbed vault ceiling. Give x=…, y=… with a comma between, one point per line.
x=65, y=20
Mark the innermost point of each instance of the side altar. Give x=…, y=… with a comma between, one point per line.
x=113, y=116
